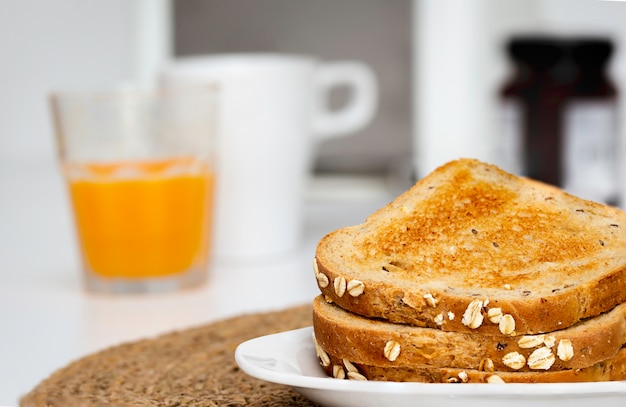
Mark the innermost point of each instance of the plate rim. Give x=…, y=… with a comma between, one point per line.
x=525, y=390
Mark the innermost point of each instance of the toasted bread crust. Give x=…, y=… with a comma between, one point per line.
x=470, y=231
x=608, y=370
x=362, y=340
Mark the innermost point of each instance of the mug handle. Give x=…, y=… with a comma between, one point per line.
x=361, y=107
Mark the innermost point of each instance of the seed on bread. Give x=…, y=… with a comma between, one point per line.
x=391, y=350
x=541, y=359
x=356, y=376
x=473, y=317
x=355, y=287
x=451, y=315
x=530, y=341
x=507, y=324
x=338, y=372
x=340, y=286
x=494, y=315
x=430, y=300
x=322, y=280
x=514, y=360
x=324, y=358
x=565, y=350
x=549, y=341
x=439, y=319
x=321, y=353
x=349, y=366
x=486, y=365
x=493, y=379
x=463, y=376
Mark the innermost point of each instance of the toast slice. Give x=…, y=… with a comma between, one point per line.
x=471, y=239
x=369, y=342
x=612, y=369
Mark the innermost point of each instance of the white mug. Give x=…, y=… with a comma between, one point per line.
x=273, y=109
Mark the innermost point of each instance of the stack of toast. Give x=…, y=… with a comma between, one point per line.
x=475, y=275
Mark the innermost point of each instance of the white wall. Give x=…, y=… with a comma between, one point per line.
x=61, y=44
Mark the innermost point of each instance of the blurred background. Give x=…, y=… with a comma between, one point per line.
x=440, y=63
x=449, y=87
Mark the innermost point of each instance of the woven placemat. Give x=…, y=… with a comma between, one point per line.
x=194, y=367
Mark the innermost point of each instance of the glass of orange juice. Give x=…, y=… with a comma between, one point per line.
x=140, y=173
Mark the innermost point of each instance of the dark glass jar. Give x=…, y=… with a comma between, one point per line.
x=559, y=115
x=590, y=146
x=532, y=102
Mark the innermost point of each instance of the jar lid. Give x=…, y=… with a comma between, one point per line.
x=591, y=52
x=539, y=52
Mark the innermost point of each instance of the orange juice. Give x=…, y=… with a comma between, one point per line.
x=143, y=219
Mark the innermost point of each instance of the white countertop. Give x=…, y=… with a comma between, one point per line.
x=47, y=319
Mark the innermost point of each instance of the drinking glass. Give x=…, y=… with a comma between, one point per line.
x=139, y=166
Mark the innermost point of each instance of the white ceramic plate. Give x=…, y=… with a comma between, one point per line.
x=289, y=358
